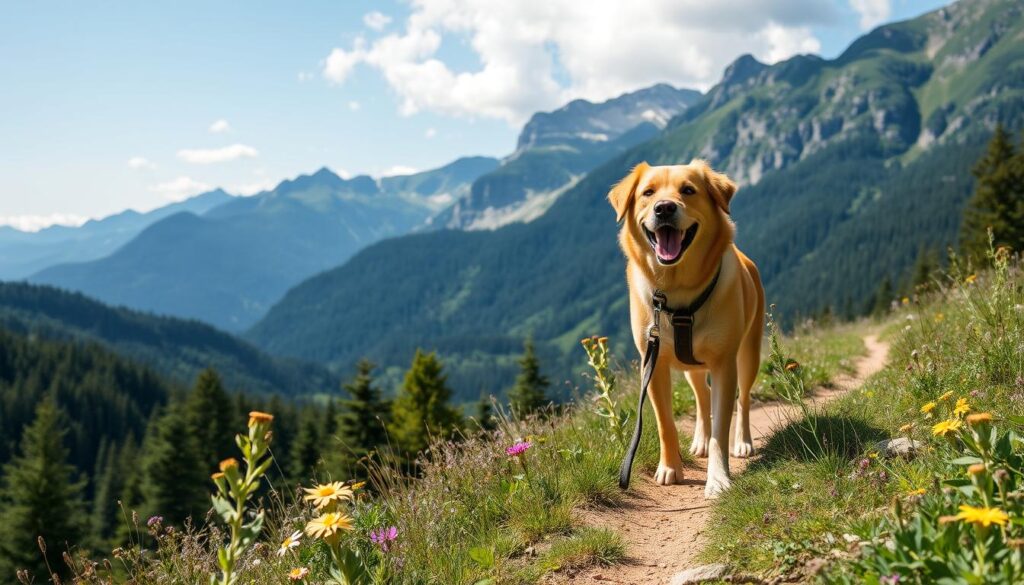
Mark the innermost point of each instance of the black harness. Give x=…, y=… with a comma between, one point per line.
x=682, y=320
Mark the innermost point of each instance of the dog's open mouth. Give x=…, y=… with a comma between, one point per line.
x=669, y=243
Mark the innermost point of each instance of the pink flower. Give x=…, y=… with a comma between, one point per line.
x=383, y=536
x=518, y=449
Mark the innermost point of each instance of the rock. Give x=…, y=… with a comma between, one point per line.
x=899, y=447
x=701, y=574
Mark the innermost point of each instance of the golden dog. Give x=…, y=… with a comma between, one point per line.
x=677, y=235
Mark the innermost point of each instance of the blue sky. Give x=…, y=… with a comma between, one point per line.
x=115, y=105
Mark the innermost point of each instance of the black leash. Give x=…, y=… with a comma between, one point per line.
x=682, y=326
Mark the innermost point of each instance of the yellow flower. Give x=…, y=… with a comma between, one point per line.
x=981, y=417
x=289, y=543
x=946, y=396
x=256, y=417
x=946, y=427
x=961, y=407
x=970, y=279
x=328, y=525
x=984, y=516
x=907, y=428
x=939, y=317
x=298, y=573
x=928, y=408
x=328, y=493
x=229, y=463
x=358, y=486
x=917, y=492
x=905, y=301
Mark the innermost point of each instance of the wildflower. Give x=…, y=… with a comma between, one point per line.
x=946, y=396
x=905, y=301
x=976, y=469
x=602, y=340
x=961, y=407
x=382, y=537
x=154, y=520
x=218, y=475
x=907, y=428
x=298, y=573
x=792, y=365
x=289, y=543
x=928, y=407
x=946, y=427
x=357, y=485
x=229, y=463
x=970, y=279
x=328, y=493
x=979, y=418
x=518, y=449
x=893, y=579
x=917, y=492
x=939, y=317
x=984, y=516
x=328, y=525
x=256, y=417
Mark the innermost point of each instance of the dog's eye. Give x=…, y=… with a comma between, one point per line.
x=688, y=190
x=648, y=192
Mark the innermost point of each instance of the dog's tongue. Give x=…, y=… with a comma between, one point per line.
x=669, y=241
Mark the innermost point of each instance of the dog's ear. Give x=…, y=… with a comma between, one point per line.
x=622, y=194
x=721, y=187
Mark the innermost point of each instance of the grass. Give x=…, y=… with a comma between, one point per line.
x=793, y=506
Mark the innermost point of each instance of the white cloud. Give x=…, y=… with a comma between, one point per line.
x=34, y=223
x=205, y=156
x=398, y=170
x=141, y=162
x=354, y=106
x=180, y=189
x=220, y=126
x=538, y=54
x=376, y=20
x=872, y=12
x=430, y=133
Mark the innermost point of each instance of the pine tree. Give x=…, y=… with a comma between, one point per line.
x=883, y=297
x=421, y=412
x=485, y=413
x=330, y=425
x=924, y=269
x=361, y=426
x=40, y=496
x=528, y=395
x=998, y=200
x=211, y=418
x=305, y=449
x=174, y=475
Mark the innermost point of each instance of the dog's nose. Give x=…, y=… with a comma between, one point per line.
x=664, y=209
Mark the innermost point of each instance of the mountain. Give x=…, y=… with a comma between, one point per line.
x=229, y=265
x=176, y=348
x=849, y=168
x=25, y=253
x=556, y=148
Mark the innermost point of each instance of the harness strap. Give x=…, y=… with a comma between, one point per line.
x=682, y=327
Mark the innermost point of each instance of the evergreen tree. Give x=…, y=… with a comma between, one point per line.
x=330, y=426
x=211, y=418
x=925, y=267
x=998, y=200
x=40, y=496
x=529, y=394
x=305, y=449
x=883, y=297
x=421, y=412
x=485, y=413
x=361, y=424
x=105, y=491
x=175, y=477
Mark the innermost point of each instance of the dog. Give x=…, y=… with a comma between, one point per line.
x=677, y=237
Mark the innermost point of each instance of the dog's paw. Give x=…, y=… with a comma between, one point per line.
x=743, y=449
x=699, y=446
x=715, y=485
x=668, y=475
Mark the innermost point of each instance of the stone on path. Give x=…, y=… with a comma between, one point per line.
x=700, y=574
x=899, y=447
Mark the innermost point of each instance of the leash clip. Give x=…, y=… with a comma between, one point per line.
x=658, y=302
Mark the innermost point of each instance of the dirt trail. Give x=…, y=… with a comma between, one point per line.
x=664, y=526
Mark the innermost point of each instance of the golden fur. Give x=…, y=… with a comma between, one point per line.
x=728, y=328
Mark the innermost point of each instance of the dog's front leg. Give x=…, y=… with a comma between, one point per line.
x=723, y=390
x=670, y=465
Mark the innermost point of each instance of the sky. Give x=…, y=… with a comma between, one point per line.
x=106, y=106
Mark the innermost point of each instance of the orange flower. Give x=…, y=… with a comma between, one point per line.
x=256, y=417
x=979, y=418
x=976, y=469
x=229, y=463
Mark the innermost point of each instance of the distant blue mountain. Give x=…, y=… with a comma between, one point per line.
x=227, y=266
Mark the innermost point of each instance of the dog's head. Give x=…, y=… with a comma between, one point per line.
x=668, y=208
